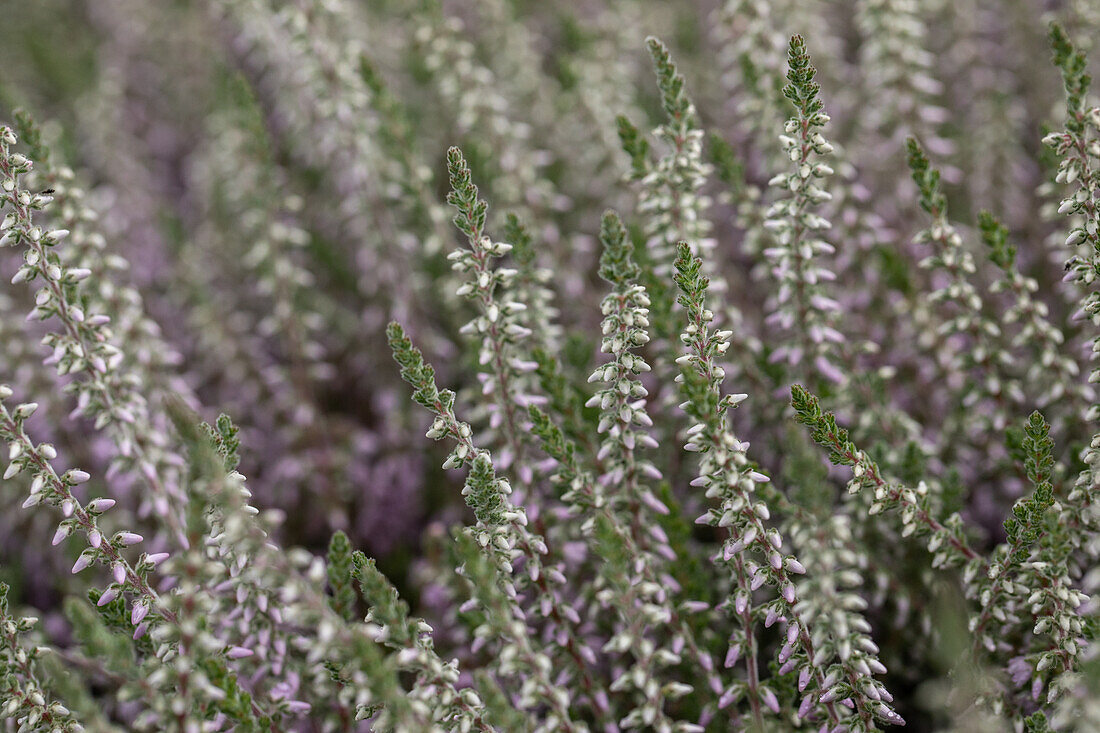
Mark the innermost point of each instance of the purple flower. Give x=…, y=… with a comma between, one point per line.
x=238, y=652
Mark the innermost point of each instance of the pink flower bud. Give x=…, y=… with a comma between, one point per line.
x=768, y=698
x=238, y=652
x=770, y=618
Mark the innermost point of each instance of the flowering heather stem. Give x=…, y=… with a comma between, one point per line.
x=623, y=415
x=802, y=309
x=640, y=584
x=983, y=357
x=498, y=323
x=1023, y=530
x=84, y=346
x=726, y=474
x=672, y=197
x=27, y=699
x=56, y=490
x=502, y=527
x=411, y=637
x=1054, y=371
x=947, y=543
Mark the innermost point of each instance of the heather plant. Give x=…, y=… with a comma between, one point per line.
x=741, y=415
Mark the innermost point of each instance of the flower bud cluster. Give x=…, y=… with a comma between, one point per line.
x=672, y=197
x=801, y=309
x=624, y=423
x=498, y=325
x=1054, y=374
x=751, y=52
x=472, y=94
x=753, y=551
x=533, y=288
x=622, y=401
x=25, y=701
x=1078, y=150
x=895, y=52
x=462, y=710
x=105, y=388
x=503, y=537
x=969, y=341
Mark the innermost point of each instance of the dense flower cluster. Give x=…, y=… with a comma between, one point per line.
x=747, y=417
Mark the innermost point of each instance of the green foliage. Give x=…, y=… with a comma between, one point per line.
x=1037, y=723
x=635, y=145
x=1024, y=527
x=415, y=371
x=801, y=89
x=823, y=427
x=24, y=696
x=472, y=210
x=516, y=233
x=551, y=438
x=927, y=179
x=693, y=285
x=616, y=265
x=31, y=135
x=224, y=437
x=485, y=493
x=339, y=571
x=995, y=236
x=565, y=399
x=670, y=82
x=728, y=167
x=1075, y=77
